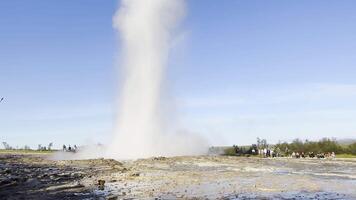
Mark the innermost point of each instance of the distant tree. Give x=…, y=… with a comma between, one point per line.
x=50, y=146
x=282, y=148
x=264, y=143
x=27, y=147
x=261, y=143
x=230, y=151
x=352, y=148
x=39, y=147
x=322, y=146
x=297, y=145
x=6, y=146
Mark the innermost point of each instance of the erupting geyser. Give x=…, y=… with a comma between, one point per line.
x=146, y=29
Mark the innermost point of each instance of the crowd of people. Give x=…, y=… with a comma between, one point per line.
x=267, y=152
x=272, y=152
x=69, y=148
x=313, y=155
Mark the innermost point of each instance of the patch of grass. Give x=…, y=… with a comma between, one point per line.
x=344, y=155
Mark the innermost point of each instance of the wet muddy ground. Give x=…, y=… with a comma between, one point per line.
x=31, y=176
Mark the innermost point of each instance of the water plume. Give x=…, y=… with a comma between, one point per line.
x=146, y=30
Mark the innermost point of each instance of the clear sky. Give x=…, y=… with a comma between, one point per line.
x=240, y=70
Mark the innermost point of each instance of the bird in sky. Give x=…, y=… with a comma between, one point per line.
x=2, y=98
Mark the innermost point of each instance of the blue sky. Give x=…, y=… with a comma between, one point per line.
x=240, y=70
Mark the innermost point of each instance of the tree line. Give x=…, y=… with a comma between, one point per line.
x=322, y=146
x=325, y=145
x=40, y=147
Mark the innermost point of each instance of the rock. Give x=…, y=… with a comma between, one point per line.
x=5, y=181
x=9, y=184
x=135, y=174
x=101, y=184
x=160, y=158
x=64, y=174
x=58, y=179
x=15, y=178
x=77, y=174
x=112, y=197
x=117, y=167
x=123, y=170
x=55, y=178
x=7, y=171
x=64, y=187
x=33, y=182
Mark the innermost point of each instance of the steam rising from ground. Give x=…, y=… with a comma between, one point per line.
x=146, y=30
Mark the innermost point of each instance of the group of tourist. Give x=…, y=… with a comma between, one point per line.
x=313, y=155
x=271, y=151
x=69, y=148
x=266, y=152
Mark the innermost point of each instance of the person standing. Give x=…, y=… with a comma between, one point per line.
x=264, y=152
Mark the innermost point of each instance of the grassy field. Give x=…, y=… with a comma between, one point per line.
x=344, y=155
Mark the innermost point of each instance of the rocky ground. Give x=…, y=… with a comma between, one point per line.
x=35, y=176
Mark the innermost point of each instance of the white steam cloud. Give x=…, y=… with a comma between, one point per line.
x=146, y=30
